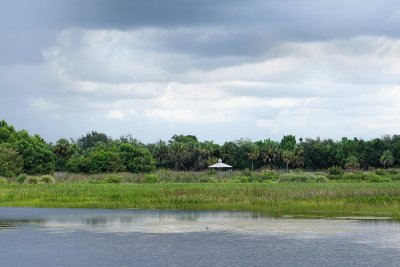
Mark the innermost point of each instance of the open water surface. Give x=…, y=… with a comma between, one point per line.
x=93, y=237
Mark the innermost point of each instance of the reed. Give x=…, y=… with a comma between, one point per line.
x=326, y=199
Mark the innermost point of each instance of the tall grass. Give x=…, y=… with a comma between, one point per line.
x=169, y=176
x=282, y=198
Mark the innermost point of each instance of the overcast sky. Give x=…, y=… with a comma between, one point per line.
x=220, y=70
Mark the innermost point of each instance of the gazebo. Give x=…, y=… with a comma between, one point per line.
x=220, y=166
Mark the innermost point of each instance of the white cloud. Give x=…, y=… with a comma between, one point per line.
x=331, y=88
x=42, y=104
x=115, y=115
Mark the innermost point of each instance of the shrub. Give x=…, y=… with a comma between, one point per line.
x=377, y=178
x=335, y=170
x=207, y=179
x=262, y=176
x=47, y=179
x=11, y=162
x=21, y=178
x=270, y=175
x=302, y=177
x=335, y=177
x=3, y=180
x=395, y=177
x=94, y=182
x=240, y=179
x=355, y=176
x=392, y=172
x=105, y=161
x=151, y=178
x=113, y=179
x=380, y=172
x=246, y=172
x=32, y=180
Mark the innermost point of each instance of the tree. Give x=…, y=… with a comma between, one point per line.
x=159, y=152
x=288, y=157
x=136, y=158
x=352, y=163
x=63, y=150
x=11, y=162
x=288, y=142
x=93, y=139
x=229, y=153
x=269, y=152
x=387, y=159
x=298, y=159
x=37, y=155
x=102, y=160
x=253, y=154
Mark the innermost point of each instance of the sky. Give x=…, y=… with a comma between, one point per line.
x=220, y=70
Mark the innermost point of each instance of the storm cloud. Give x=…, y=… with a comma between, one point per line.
x=218, y=69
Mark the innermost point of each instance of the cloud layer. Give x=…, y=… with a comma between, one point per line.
x=259, y=70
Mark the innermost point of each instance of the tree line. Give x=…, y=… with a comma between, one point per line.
x=96, y=152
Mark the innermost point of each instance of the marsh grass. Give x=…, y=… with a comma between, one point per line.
x=381, y=199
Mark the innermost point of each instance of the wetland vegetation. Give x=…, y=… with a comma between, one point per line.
x=325, y=199
x=313, y=176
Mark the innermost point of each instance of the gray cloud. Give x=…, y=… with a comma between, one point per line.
x=219, y=69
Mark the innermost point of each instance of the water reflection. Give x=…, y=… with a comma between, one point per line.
x=85, y=237
x=175, y=221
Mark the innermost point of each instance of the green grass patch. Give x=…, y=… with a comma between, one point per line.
x=281, y=198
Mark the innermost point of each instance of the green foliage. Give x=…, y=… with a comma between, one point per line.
x=374, y=178
x=101, y=160
x=93, y=139
x=113, y=179
x=364, y=177
x=151, y=178
x=241, y=179
x=395, y=177
x=303, y=177
x=335, y=170
x=288, y=142
x=47, y=179
x=11, y=162
x=269, y=152
x=136, y=159
x=32, y=180
x=95, y=152
x=269, y=175
x=246, y=172
x=21, y=178
x=380, y=172
x=355, y=176
x=387, y=158
x=3, y=180
x=207, y=179
x=78, y=163
x=63, y=150
x=37, y=156
x=327, y=199
x=352, y=163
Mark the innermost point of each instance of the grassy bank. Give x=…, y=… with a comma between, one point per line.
x=328, y=199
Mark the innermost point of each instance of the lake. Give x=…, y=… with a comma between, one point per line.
x=95, y=237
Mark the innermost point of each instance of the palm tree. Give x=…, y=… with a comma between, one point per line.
x=253, y=155
x=288, y=157
x=387, y=159
x=352, y=163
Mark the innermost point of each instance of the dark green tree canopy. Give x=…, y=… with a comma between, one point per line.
x=21, y=152
x=93, y=139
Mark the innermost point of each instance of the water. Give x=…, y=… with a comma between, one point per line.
x=84, y=237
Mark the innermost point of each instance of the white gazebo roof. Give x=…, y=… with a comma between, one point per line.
x=220, y=165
